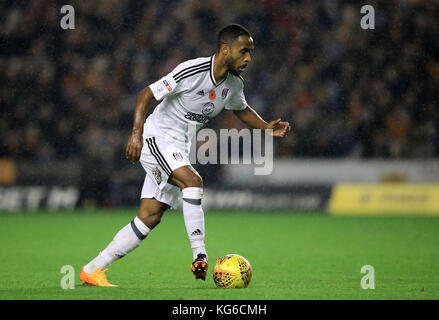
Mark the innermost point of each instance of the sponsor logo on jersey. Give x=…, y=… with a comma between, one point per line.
x=224, y=93
x=212, y=94
x=196, y=117
x=167, y=85
x=177, y=156
x=201, y=92
x=157, y=175
x=208, y=108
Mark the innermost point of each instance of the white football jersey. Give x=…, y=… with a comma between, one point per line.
x=190, y=97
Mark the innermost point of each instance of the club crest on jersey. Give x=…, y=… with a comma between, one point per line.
x=167, y=85
x=224, y=93
x=157, y=175
x=208, y=108
x=177, y=156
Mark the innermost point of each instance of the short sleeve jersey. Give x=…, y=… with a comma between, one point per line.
x=189, y=97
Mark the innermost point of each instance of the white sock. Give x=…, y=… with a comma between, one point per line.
x=126, y=240
x=194, y=219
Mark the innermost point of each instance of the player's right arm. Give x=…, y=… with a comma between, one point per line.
x=135, y=142
x=170, y=84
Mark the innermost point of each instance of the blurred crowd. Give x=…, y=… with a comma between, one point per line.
x=347, y=92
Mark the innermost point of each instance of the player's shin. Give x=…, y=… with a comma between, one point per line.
x=125, y=241
x=194, y=219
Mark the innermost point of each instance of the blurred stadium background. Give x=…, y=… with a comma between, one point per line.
x=363, y=104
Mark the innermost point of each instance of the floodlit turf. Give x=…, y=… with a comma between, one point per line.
x=294, y=256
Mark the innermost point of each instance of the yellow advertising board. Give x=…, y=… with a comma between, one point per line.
x=384, y=198
x=7, y=171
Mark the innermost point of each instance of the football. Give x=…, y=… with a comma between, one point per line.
x=232, y=271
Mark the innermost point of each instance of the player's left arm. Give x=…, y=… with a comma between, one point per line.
x=253, y=120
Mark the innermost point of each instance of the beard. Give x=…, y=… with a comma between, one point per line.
x=235, y=72
x=231, y=67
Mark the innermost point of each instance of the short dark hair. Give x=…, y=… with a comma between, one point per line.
x=230, y=33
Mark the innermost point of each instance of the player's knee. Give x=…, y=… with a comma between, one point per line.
x=155, y=220
x=194, y=181
x=150, y=218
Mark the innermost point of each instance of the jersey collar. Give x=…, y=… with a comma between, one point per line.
x=212, y=77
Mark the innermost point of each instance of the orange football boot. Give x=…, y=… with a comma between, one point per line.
x=96, y=278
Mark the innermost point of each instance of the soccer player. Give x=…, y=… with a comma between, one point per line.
x=191, y=94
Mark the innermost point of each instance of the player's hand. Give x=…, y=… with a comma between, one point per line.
x=280, y=129
x=134, y=147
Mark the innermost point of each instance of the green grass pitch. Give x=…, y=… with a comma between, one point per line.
x=293, y=255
